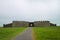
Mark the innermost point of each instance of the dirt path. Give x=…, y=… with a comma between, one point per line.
x=26, y=35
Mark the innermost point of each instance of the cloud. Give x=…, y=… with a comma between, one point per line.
x=29, y=10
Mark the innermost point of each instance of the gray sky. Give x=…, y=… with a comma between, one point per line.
x=29, y=10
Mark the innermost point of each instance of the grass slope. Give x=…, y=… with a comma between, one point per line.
x=47, y=33
x=8, y=33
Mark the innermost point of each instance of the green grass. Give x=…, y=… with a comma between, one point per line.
x=8, y=33
x=47, y=33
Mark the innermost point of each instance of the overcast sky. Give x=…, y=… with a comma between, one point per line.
x=29, y=10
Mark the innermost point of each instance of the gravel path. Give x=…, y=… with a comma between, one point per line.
x=25, y=35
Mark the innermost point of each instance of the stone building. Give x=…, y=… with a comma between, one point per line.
x=29, y=24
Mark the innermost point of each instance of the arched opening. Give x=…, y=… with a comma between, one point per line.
x=31, y=24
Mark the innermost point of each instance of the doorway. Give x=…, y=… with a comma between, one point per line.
x=31, y=24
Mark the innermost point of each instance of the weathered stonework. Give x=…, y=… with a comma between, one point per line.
x=29, y=24
x=42, y=23
x=20, y=24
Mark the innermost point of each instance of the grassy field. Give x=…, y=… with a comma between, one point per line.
x=8, y=33
x=47, y=33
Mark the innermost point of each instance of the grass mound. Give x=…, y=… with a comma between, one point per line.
x=8, y=33
x=47, y=33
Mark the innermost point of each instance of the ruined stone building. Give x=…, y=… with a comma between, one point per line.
x=29, y=24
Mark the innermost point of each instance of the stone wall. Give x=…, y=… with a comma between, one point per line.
x=41, y=23
x=20, y=24
x=51, y=24
x=27, y=24
x=7, y=25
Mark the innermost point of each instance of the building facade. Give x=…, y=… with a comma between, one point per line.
x=29, y=24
